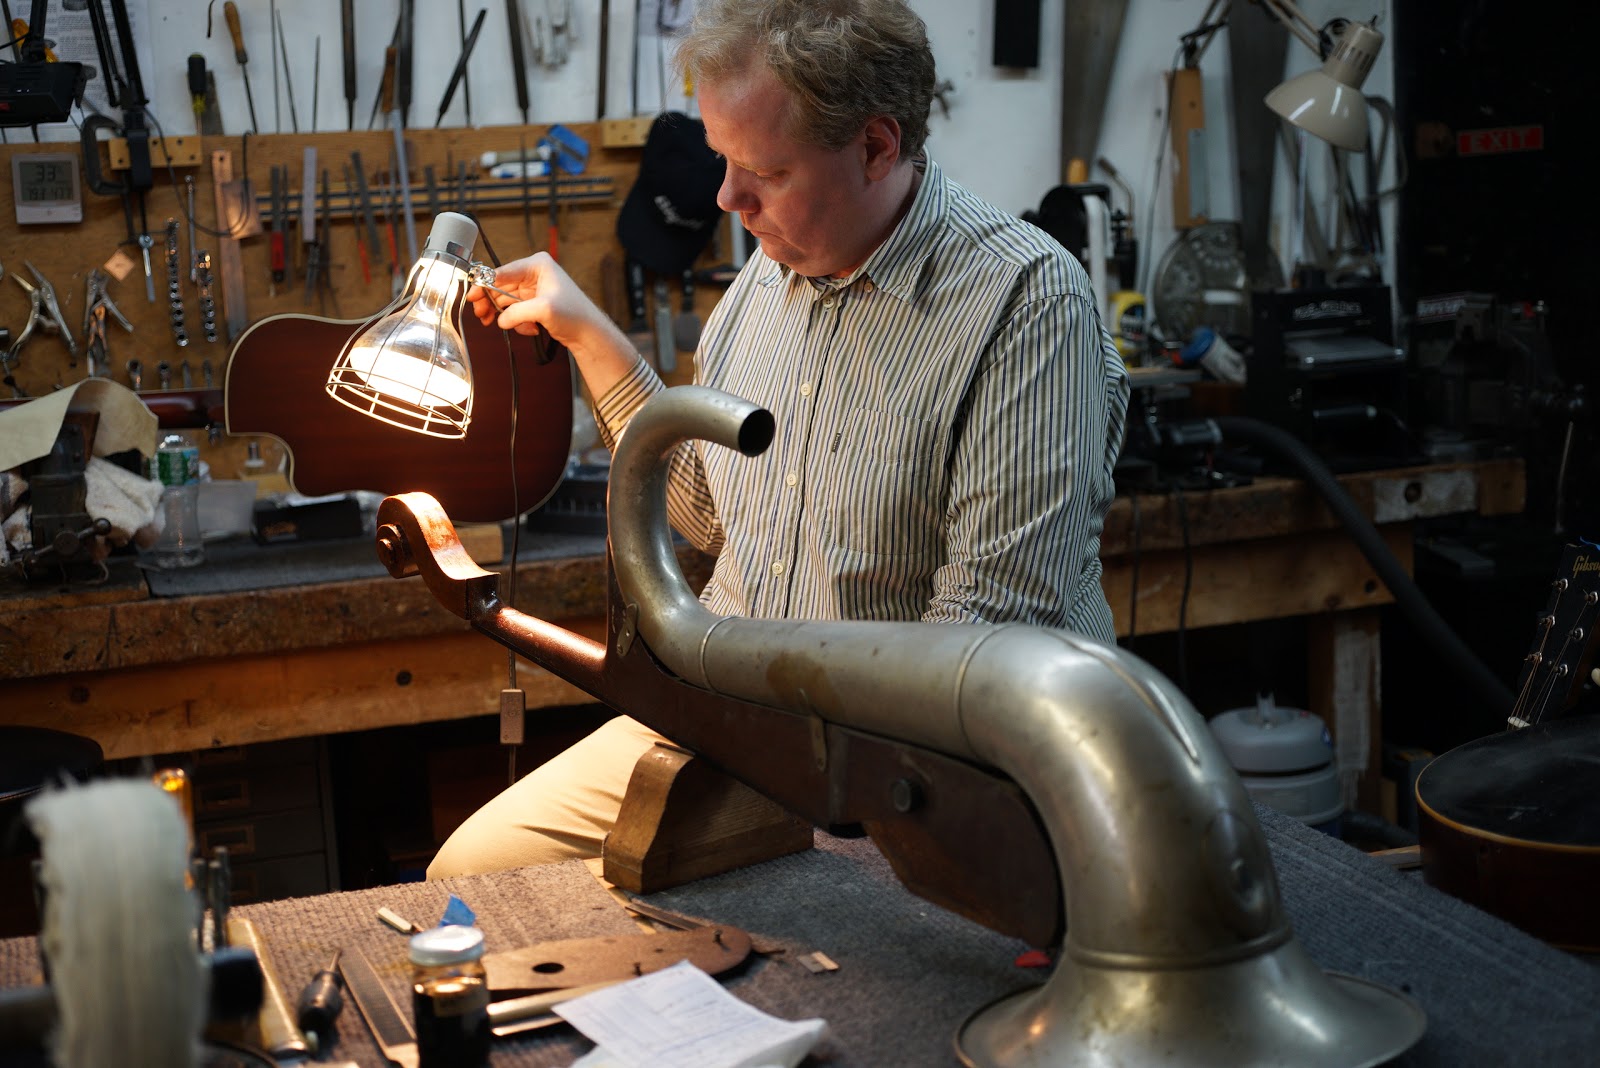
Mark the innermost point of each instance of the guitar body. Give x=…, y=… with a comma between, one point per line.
x=1511, y=823
x=274, y=387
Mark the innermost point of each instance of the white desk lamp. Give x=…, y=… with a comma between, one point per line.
x=1327, y=103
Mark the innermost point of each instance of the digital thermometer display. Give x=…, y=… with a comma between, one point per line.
x=46, y=189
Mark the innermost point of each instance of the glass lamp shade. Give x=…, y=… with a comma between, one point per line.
x=409, y=367
x=1327, y=103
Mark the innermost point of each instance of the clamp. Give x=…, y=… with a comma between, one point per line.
x=45, y=314
x=96, y=306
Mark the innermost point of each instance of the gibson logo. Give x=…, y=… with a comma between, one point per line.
x=670, y=215
x=1583, y=563
x=1327, y=309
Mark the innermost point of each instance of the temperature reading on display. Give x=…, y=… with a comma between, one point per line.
x=45, y=188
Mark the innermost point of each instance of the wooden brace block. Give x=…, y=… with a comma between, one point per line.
x=176, y=151
x=683, y=820
x=625, y=133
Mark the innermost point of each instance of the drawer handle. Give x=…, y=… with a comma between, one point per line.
x=227, y=794
x=239, y=841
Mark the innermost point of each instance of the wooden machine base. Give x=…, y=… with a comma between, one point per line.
x=683, y=820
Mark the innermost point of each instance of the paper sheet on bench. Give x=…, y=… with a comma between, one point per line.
x=680, y=1017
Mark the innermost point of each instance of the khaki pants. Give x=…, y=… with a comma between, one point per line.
x=561, y=810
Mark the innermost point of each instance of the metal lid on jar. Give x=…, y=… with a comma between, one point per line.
x=450, y=944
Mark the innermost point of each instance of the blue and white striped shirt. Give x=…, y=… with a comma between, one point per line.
x=947, y=422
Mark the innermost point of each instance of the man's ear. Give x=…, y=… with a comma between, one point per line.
x=881, y=146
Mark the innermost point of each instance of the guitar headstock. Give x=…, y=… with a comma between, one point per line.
x=1557, y=667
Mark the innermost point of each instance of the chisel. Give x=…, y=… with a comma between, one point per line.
x=288, y=85
x=466, y=83
x=408, y=18
x=666, y=355
x=347, y=28
x=364, y=197
x=519, y=63
x=457, y=75
x=638, y=327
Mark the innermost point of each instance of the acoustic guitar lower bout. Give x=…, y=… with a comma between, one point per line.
x=1511, y=823
x=275, y=387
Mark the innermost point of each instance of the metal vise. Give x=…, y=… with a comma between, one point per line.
x=1002, y=770
x=64, y=533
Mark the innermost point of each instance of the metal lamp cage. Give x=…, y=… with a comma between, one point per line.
x=386, y=398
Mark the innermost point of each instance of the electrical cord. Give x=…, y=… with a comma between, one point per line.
x=1408, y=597
x=516, y=504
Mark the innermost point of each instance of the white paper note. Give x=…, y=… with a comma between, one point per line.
x=680, y=1017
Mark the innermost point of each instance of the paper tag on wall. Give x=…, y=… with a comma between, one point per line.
x=119, y=265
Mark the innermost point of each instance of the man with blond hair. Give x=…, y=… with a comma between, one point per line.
x=949, y=406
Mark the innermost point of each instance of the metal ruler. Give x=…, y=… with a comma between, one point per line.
x=230, y=267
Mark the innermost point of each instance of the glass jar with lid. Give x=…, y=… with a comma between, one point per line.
x=450, y=997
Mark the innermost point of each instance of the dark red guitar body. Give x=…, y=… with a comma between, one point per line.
x=274, y=387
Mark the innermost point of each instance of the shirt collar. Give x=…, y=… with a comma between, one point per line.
x=895, y=265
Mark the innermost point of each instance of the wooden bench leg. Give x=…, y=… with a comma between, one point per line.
x=1344, y=677
x=682, y=820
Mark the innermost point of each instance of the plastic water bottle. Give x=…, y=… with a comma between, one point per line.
x=177, y=467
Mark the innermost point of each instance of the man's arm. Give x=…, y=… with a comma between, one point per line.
x=534, y=292
x=1030, y=474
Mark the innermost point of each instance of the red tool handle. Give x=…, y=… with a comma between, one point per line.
x=277, y=256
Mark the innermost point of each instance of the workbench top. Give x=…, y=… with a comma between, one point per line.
x=254, y=599
x=251, y=599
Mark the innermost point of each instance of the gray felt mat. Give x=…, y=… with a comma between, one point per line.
x=910, y=972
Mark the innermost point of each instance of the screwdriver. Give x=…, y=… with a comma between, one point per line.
x=231, y=13
x=320, y=1004
x=197, y=87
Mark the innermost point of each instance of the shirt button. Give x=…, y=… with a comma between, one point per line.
x=791, y=478
x=829, y=302
x=805, y=389
x=777, y=567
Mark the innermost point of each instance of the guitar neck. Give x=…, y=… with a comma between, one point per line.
x=1556, y=668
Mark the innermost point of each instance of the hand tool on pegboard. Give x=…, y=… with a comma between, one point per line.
x=231, y=12
x=233, y=205
x=347, y=32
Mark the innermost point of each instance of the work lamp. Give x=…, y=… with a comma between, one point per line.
x=1327, y=102
x=409, y=366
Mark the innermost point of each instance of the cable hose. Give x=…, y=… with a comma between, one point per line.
x=1438, y=634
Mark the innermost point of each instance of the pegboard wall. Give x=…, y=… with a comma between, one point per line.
x=513, y=216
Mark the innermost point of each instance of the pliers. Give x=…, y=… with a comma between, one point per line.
x=45, y=314
x=96, y=304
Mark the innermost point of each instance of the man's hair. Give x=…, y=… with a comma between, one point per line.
x=842, y=61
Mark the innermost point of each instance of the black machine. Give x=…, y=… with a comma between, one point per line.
x=32, y=90
x=1324, y=367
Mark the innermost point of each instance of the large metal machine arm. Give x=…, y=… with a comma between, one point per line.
x=994, y=766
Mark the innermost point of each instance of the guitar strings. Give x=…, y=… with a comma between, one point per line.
x=1536, y=658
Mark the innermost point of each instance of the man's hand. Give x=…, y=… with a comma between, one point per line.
x=533, y=292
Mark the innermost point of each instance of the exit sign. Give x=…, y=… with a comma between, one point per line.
x=1499, y=139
